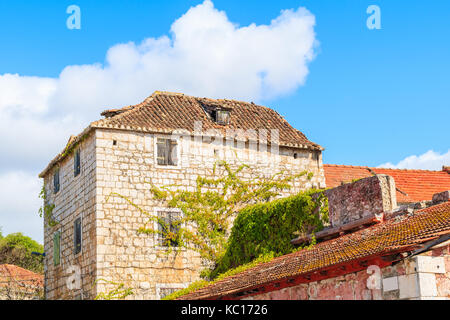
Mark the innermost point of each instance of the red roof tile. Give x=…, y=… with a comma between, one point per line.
x=414, y=185
x=9, y=273
x=167, y=112
x=401, y=234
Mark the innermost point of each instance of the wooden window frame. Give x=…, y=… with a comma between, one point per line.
x=172, y=216
x=221, y=120
x=169, y=157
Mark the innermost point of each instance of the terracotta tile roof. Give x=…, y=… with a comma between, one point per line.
x=401, y=234
x=415, y=185
x=11, y=273
x=167, y=112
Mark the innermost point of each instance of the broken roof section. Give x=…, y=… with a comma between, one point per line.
x=167, y=112
x=412, y=185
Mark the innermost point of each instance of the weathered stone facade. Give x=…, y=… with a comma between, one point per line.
x=117, y=165
x=76, y=198
x=422, y=277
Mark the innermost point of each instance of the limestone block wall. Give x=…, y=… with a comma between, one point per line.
x=125, y=163
x=422, y=277
x=76, y=198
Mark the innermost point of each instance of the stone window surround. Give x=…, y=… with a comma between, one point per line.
x=155, y=227
x=155, y=152
x=160, y=286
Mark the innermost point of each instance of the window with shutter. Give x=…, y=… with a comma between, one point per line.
x=77, y=163
x=166, y=152
x=168, y=226
x=56, y=248
x=56, y=181
x=77, y=229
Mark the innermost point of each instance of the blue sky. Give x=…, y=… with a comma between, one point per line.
x=370, y=97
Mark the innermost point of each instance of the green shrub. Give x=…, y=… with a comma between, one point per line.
x=266, y=229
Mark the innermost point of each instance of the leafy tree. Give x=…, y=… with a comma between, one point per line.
x=16, y=249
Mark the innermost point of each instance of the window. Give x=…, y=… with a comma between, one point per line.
x=56, y=248
x=77, y=235
x=76, y=163
x=56, y=181
x=168, y=227
x=166, y=152
x=222, y=117
x=163, y=292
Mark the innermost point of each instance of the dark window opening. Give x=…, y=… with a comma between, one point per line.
x=295, y=155
x=56, y=184
x=77, y=229
x=167, y=152
x=168, y=228
x=114, y=142
x=77, y=163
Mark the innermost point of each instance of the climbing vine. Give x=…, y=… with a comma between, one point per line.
x=118, y=292
x=209, y=209
x=46, y=210
x=267, y=228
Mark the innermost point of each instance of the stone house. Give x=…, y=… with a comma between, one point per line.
x=372, y=250
x=168, y=139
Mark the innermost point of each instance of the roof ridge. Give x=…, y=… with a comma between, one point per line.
x=365, y=167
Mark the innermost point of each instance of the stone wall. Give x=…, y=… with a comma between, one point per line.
x=76, y=198
x=363, y=198
x=126, y=162
x=422, y=277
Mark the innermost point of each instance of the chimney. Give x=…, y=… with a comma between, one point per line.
x=441, y=197
x=365, y=198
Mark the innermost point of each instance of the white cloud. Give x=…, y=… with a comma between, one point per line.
x=430, y=160
x=20, y=204
x=205, y=54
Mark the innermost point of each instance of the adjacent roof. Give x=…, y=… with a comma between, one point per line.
x=404, y=233
x=167, y=112
x=412, y=185
x=14, y=274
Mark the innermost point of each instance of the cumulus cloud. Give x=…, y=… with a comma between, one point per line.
x=20, y=204
x=429, y=160
x=203, y=54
